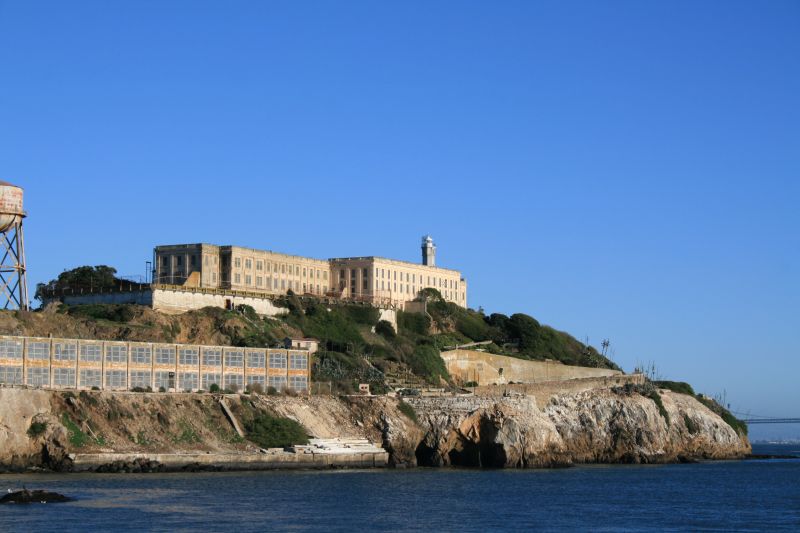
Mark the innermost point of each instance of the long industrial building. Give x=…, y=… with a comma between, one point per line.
x=116, y=365
x=375, y=280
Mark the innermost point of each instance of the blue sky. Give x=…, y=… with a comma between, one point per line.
x=621, y=170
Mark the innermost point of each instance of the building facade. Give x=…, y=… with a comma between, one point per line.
x=374, y=280
x=112, y=365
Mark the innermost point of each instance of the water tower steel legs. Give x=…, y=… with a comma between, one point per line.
x=13, y=280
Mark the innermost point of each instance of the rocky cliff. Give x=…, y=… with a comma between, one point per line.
x=41, y=428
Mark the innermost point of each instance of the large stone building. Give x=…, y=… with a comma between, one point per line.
x=374, y=280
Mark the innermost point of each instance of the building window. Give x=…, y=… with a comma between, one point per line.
x=256, y=359
x=10, y=349
x=140, y=355
x=63, y=351
x=193, y=260
x=165, y=355
x=256, y=380
x=188, y=356
x=277, y=382
x=298, y=383
x=248, y=264
x=248, y=280
x=237, y=278
x=234, y=358
x=179, y=260
x=116, y=354
x=298, y=361
x=211, y=379
x=234, y=380
x=11, y=375
x=39, y=350
x=214, y=277
x=212, y=357
x=162, y=381
x=63, y=377
x=237, y=262
x=116, y=379
x=259, y=281
x=90, y=352
x=140, y=378
x=259, y=265
x=188, y=381
x=277, y=360
x=90, y=378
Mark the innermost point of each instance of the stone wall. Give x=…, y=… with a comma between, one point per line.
x=489, y=369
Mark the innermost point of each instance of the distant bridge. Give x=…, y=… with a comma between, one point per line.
x=749, y=418
x=749, y=421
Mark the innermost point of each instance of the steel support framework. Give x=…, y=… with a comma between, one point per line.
x=13, y=279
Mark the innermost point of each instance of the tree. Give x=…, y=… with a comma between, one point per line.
x=82, y=278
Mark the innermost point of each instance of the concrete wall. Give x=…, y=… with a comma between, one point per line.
x=139, y=297
x=180, y=301
x=488, y=369
x=546, y=390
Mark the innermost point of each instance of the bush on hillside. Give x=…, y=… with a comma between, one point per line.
x=274, y=432
x=385, y=329
x=680, y=387
x=415, y=323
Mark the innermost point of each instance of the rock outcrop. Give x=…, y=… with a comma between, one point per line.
x=42, y=428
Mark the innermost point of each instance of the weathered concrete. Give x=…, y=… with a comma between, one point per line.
x=488, y=369
x=543, y=392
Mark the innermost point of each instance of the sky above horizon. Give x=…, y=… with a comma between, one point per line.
x=620, y=170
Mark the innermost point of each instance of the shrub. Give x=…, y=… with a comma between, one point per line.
x=272, y=391
x=274, y=432
x=408, y=410
x=214, y=388
x=471, y=384
x=675, y=386
x=36, y=429
x=737, y=425
x=385, y=329
x=256, y=388
x=416, y=323
x=97, y=388
x=425, y=361
x=162, y=389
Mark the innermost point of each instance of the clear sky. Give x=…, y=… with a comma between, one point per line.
x=620, y=170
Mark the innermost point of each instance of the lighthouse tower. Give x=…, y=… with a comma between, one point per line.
x=428, y=251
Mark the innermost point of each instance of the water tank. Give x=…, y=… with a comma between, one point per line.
x=10, y=205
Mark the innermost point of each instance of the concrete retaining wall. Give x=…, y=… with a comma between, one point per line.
x=488, y=369
x=544, y=391
x=232, y=461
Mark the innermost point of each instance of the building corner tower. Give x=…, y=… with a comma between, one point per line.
x=428, y=251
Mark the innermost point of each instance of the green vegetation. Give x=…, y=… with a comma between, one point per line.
x=36, y=429
x=691, y=425
x=186, y=434
x=737, y=425
x=407, y=410
x=680, y=387
x=83, y=279
x=656, y=397
x=385, y=329
x=111, y=312
x=275, y=432
x=77, y=437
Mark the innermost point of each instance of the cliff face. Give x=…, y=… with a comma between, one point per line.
x=599, y=426
x=590, y=426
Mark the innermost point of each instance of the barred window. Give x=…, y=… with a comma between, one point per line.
x=90, y=378
x=212, y=357
x=141, y=354
x=38, y=377
x=162, y=379
x=188, y=381
x=234, y=380
x=165, y=355
x=279, y=382
x=256, y=359
x=116, y=353
x=211, y=379
x=234, y=358
x=298, y=361
x=65, y=351
x=188, y=356
x=11, y=349
x=277, y=360
x=298, y=383
x=39, y=350
x=116, y=379
x=90, y=352
x=140, y=378
x=64, y=377
x=253, y=380
x=11, y=375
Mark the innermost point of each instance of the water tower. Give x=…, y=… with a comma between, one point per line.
x=13, y=282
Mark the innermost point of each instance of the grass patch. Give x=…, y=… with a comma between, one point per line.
x=274, y=432
x=680, y=387
x=408, y=410
x=36, y=429
x=77, y=437
x=187, y=434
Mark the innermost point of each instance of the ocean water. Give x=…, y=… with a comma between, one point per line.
x=757, y=495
